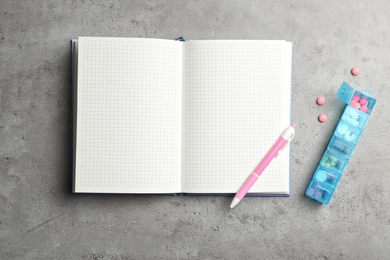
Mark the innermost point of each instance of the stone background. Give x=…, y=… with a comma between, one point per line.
x=39, y=219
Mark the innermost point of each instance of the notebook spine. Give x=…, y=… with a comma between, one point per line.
x=342, y=144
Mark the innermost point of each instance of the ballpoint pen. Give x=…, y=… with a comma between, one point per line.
x=283, y=140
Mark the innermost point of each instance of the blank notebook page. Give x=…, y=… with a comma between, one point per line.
x=128, y=115
x=236, y=105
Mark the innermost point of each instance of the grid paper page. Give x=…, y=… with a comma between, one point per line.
x=128, y=115
x=236, y=105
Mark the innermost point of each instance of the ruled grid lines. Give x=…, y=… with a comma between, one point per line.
x=130, y=116
x=233, y=111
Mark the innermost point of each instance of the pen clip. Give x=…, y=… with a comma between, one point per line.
x=281, y=149
x=287, y=141
x=291, y=136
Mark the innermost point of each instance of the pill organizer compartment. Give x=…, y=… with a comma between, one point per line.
x=333, y=162
x=348, y=132
x=323, y=175
x=320, y=191
x=347, y=94
x=355, y=117
x=341, y=147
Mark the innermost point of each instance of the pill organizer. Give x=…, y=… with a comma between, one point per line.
x=342, y=144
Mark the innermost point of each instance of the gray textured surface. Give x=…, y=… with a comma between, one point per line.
x=40, y=220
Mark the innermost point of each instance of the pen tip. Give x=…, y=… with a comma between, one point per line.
x=234, y=202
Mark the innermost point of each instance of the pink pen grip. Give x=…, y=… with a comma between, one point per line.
x=270, y=155
x=260, y=168
x=247, y=186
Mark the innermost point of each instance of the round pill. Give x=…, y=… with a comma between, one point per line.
x=356, y=97
x=311, y=191
x=354, y=104
x=322, y=118
x=342, y=129
x=322, y=175
x=320, y=101
x=363, y=101
x=355, y=71
x=364, y=109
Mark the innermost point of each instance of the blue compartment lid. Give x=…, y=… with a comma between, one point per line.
x=345, y=92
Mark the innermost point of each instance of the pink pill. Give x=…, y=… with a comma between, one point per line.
x=322, y=118
x=363, y=101
x=354, y=104
x=320, y=101
x=355, y=71
x=364, y=109
x=356, y=97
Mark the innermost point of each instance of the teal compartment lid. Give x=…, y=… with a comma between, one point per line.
x=345, y=92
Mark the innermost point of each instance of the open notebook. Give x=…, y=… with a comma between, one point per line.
x=164, y=116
